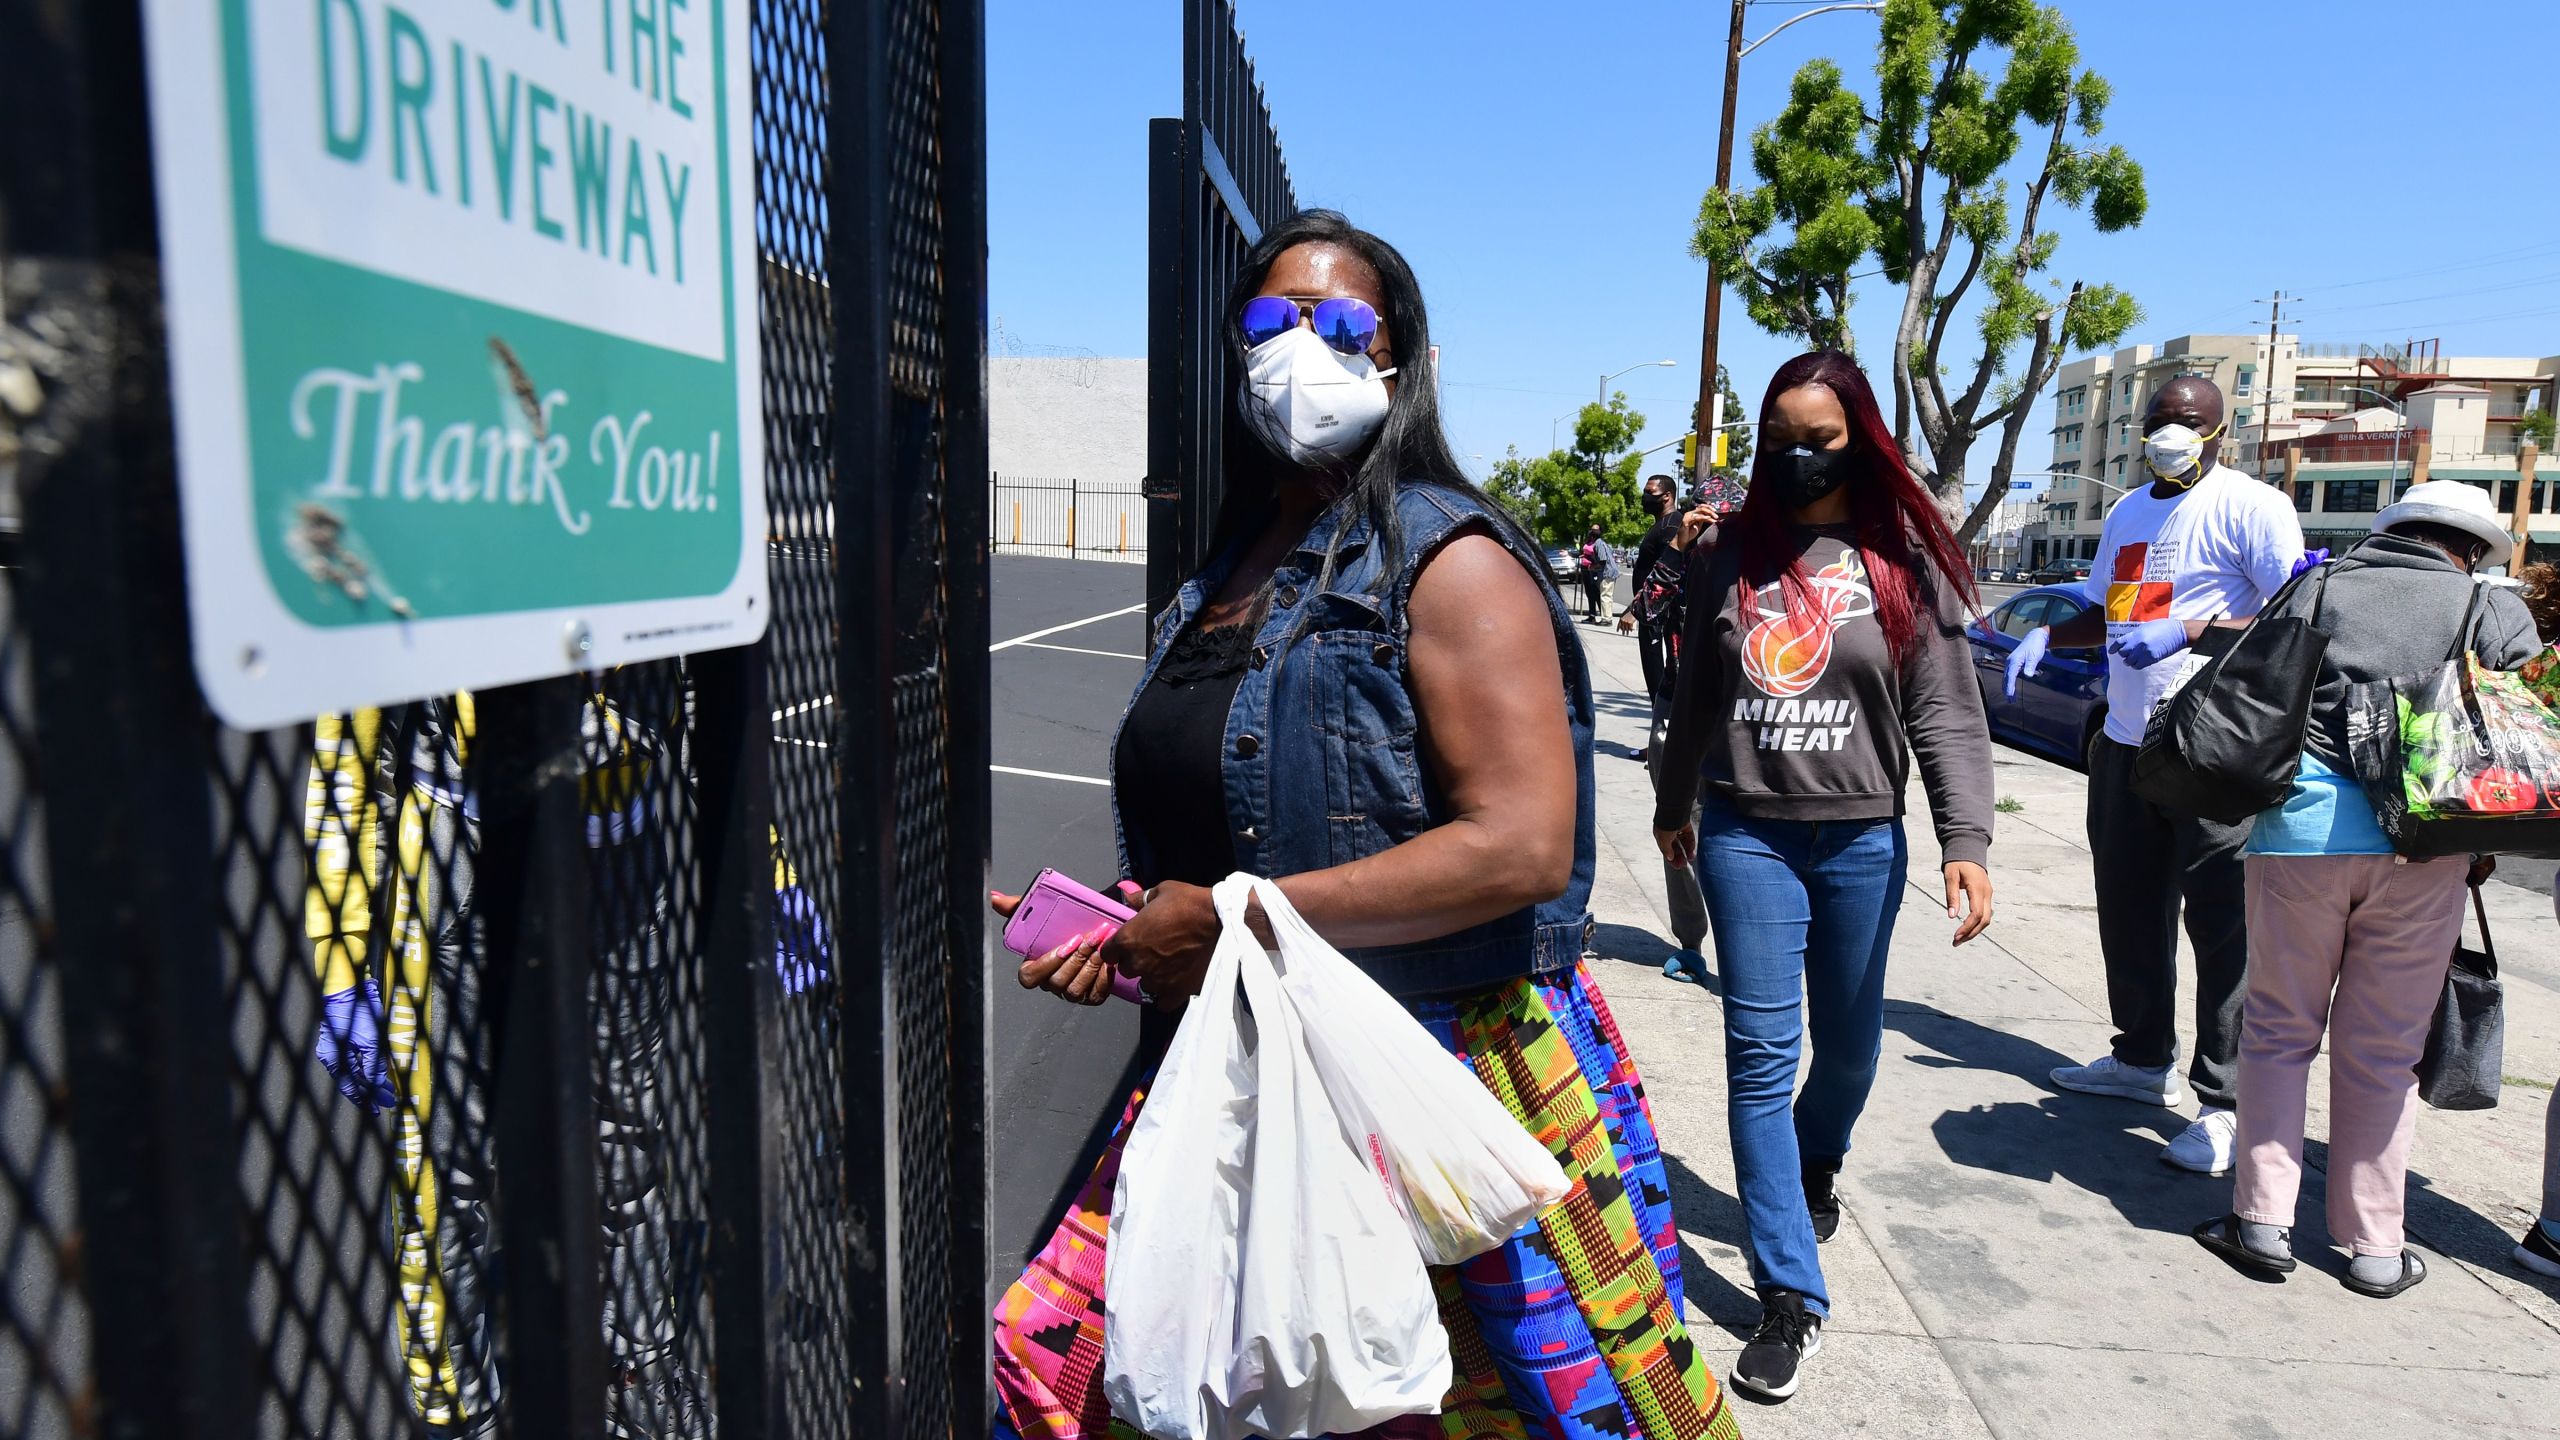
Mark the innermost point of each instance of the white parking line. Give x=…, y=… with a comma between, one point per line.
x=1080, y=650
x=1046, y=775
x=1060, y=629
x=804, y=707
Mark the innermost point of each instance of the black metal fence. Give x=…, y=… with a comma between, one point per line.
x=681, y=1123
x=1070, y=518
x=1215, y=178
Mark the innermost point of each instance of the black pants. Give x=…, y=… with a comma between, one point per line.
x=2148, y=861
x=1653, y=647
x=1591, y=597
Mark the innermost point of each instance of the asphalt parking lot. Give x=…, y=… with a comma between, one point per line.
x=1069, y=645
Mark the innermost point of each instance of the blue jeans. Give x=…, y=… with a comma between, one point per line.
x=1803, y=912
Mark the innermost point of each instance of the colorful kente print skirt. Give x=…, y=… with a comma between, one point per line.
x=1570, y=1330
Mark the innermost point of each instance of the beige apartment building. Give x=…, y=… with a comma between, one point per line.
x=2351, y=426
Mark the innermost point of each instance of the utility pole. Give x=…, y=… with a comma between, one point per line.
x=1707, y=390
x=2267, y=388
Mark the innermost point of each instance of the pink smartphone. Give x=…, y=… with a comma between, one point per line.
x=1057, y=909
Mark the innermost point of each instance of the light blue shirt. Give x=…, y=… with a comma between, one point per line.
x=2325, y=813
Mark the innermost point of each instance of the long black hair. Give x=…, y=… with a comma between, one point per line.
x=1410, y=448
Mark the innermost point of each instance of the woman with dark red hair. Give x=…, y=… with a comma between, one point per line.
x=1825, y=650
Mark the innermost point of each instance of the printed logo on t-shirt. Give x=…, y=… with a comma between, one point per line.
x=2141, y=589
x=1784, y=654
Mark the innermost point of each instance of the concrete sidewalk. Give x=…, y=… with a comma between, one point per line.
x=2015, y=1260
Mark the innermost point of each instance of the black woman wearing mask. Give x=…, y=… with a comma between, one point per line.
x=1372, y=695
x=1825, y=656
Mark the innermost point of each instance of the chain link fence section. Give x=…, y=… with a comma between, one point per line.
x=417, y=1044
x=44, y=1317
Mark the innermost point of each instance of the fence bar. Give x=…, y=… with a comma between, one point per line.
x=532, y=889
x=734, y=790
x=970, y=818
x=859, y=221
x=1215, y=181
x=124, y=748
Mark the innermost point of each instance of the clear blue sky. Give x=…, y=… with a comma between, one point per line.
x=1541, y=165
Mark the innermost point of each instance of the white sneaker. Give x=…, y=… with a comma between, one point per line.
x=2108, y=1075
x=2205, y=1146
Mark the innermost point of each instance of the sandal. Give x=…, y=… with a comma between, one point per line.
x=2412, y=1270
x=2221, y=1235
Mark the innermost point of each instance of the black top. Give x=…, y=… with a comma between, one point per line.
x=1656, y=541
x=1170, y=767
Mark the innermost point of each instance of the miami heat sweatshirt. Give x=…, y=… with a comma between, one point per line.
x=1800, y=712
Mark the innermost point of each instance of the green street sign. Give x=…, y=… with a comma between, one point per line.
x=463, y=342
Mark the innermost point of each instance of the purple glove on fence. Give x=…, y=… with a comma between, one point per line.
x=800, y=949
x=2150, y=642
x=350, y=1047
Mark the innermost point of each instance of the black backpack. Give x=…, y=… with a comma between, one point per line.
x=2225, y=745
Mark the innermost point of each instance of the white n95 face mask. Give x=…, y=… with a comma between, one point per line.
x=2172, y=451
x=1311, y=403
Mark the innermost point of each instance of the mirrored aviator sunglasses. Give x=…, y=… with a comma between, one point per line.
x=1346, y=325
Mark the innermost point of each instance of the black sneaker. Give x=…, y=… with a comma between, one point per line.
x=1822, y=1200
x=1789, y=1335
x=2537, y=1251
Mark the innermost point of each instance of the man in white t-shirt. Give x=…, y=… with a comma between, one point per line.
x=2201, y=543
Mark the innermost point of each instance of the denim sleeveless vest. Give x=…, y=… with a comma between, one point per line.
x=1321, y=764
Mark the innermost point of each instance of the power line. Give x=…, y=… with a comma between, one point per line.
x=2535, y=251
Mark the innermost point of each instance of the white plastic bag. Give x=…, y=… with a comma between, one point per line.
x=1462, y=1171
x=1258, y=1282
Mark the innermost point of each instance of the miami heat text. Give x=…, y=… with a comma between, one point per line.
x=1797, y=724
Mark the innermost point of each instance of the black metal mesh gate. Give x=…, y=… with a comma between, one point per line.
x=675, y=972
x=1214, y=179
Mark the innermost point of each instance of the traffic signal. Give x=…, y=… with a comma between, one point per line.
x=1689, y=453
x=1721, y=437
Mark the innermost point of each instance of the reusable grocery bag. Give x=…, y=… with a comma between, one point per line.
x=2224, y=744
x=1458, y=1166
x=2464, y=759
x=2465, y=1060
x=1258, y=1282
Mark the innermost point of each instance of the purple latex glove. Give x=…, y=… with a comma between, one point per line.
x=800, y=949
x=2149, y=643
x=2309, y=559
x=350, y=1047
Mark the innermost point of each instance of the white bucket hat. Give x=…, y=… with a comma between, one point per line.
x=2455, y=505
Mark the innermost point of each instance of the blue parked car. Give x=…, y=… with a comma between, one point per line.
x=2060, y=707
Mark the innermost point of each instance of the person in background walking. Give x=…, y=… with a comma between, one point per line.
x=1662, y=561
x=2538, y=1249
x=1825, y=651
x=2202, y=542
x=1357, y=577
x=2346, y=937
x=1597, y=566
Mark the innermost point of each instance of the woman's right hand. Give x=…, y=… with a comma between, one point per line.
x=1680, y=846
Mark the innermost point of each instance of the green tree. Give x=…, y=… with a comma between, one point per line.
x=1560, y=495
x=2538, y=427
x=1962, y=88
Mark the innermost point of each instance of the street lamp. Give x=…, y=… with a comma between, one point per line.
x=1734, y=50
x=1630, y=370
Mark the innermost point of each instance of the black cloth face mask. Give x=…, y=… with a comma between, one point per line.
x=1804, y=476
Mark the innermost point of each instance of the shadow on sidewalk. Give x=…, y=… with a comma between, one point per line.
x=2106, y=1147
x=2435, y=1221
x=1635, y=945
x=1707, y=1211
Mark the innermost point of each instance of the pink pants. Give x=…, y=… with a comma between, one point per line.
x=2356, y=945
